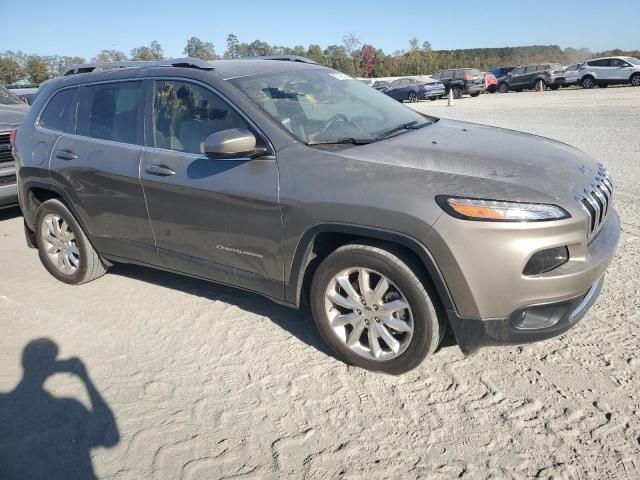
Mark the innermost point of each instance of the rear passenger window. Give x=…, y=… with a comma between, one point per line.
x=111, y=112
x=184, y=115
x=59, y=110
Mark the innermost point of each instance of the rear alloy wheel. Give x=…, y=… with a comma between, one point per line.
x=413, y=98
x=64, y=249
x=373, y=310
x=588, y=82
x=503, y=88
x=540, y=85
x=635, y=80
x=457, y=92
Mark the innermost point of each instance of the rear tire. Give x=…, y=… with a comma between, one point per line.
x=433, y=99
x=457, y=92
x=63, y=247
x=474, y=94
x=635, y=80
x=588, y=82
x=503, y=88
x=415, y=330
x=554, y=87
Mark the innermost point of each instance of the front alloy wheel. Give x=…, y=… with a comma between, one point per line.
x=413, y=98
x=369, y=314
x=373, y=307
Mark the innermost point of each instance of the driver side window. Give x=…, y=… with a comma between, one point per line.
x=185, y=114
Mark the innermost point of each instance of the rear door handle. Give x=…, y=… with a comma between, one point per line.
x=66, y=155
x=160, y=170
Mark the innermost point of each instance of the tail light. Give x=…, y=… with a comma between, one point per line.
x=12, y=137
x=468, y=77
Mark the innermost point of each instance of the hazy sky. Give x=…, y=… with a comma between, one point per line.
x=67, y=27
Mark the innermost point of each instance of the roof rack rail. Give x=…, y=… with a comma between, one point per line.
x=284, y=58
x=170, y=62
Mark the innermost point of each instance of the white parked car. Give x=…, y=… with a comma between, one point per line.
x=609, y=70
x=571, y=74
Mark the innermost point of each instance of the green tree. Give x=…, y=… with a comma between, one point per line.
x=316, y=54
x=37, y=69
x=152, y=52
x=197, y=48
x=10, y=71
x=110, y=56
x=337, y=57
x=233, y=47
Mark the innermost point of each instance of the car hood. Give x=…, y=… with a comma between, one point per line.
x=511, y=163
x=11, y=116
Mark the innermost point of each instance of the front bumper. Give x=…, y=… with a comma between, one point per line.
x=554, y=319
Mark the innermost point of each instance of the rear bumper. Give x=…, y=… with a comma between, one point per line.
x=553, y=319
x=475, y=88
x=434, y=93
x=8, y=188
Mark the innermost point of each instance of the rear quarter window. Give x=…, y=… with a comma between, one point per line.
x=59, y=112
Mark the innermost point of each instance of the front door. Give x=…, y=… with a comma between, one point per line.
x=98, y=168
x=218, y=219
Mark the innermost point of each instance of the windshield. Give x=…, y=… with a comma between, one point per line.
x=325, y=106
x=633, y=60
x=9, y=98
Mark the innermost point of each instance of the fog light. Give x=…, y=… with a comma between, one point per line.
x=546, y=260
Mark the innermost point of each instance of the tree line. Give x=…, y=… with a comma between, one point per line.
x=351, y=56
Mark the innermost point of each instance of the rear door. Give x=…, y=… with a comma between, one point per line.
x=97, y=166
x=620, y=70
x=514, y=77
x=218, y=219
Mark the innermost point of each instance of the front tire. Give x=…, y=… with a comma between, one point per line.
x=373, y=310
x=64, y=249
x=540, y=85
x=588, y=82
x=474, y=94
x=413, y=97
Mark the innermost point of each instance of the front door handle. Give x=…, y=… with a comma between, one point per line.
x=66, y=155
x=160, y=170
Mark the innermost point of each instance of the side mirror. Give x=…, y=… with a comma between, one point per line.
x=232, y=143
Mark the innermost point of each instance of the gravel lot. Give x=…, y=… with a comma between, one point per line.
x=205, y=382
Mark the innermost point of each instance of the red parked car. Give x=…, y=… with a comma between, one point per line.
x=490, y=83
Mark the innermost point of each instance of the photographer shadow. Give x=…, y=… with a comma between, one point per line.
x=46, y=437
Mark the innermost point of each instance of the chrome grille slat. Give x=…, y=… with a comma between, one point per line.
x=596, y=201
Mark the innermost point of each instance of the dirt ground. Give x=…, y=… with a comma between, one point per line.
x=180, y=379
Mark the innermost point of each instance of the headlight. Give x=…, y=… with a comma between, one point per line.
x=499, y=211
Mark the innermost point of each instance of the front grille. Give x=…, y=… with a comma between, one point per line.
x=5, y=149
x=596, y=200
x=8, y=180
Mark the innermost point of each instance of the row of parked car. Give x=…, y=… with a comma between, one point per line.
x=600, y=72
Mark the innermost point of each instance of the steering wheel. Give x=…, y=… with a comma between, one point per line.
x=335, y=118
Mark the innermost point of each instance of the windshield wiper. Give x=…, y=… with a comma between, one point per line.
x=405, y=126
x=343, y=141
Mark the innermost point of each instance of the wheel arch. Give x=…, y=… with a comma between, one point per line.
x=320, y=240
x=39, y=192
